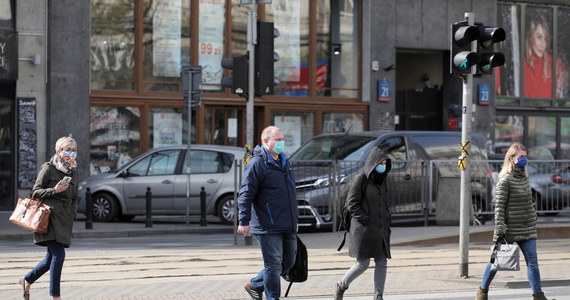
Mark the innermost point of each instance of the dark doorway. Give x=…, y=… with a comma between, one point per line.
x=419, y=109
x=6, y=148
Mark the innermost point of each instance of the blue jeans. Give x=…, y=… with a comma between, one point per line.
x=53, y=262
x=278, y=251
x=528, y=249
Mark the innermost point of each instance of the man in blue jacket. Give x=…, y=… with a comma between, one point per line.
x=268, y=186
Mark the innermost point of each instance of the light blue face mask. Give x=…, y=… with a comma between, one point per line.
x=279, y=147
x=380, y=168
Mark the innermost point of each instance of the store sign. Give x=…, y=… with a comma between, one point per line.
x=8, y=55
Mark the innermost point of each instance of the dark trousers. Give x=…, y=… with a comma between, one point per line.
x=53, y=262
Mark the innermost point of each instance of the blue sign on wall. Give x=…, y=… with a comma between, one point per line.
x=484, y=94
x=384, y=90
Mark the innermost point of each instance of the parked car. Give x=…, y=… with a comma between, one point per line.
x=122, y=194
x=550, y=190
x=410, y=152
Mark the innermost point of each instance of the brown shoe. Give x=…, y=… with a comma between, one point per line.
x=25, y=294
x=539, y=296
x=481, y=294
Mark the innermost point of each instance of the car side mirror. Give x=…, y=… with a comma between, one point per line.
x=124, y=173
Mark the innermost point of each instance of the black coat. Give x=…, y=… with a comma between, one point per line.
x=370, y=225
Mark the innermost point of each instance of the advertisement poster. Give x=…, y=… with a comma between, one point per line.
x=291, y=127
x=167, y=129
x=211, y=42
x=166, y=38
x=287, y=19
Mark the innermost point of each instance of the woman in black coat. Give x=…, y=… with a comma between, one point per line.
x=370, y=223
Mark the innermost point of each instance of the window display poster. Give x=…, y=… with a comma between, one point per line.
x=287, y=19
x=166, y=38
x=291, y=127
x=167, y=129
x=211, y=42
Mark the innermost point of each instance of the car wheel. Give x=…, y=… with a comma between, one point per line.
x=105, y=208
x=226, y=209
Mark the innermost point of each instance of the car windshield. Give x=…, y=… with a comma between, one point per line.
x=335, y=147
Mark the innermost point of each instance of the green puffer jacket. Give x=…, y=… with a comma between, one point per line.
x=513, y=202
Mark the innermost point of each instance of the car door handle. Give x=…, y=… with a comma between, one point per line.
x=408, y=177
x=212, y=181
x=166, y=181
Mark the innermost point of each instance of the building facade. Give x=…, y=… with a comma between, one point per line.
x=108, y=72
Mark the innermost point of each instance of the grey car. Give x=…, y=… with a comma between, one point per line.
x=122, y=194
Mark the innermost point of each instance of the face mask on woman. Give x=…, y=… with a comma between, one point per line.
x=380, y=168
x=521, y=162
x=68, y=156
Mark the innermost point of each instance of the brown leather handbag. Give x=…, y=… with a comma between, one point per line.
x=31, y=214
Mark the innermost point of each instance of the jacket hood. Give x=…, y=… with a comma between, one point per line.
x=374, y=158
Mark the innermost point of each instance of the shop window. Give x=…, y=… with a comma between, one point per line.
x=343, y=122
x=298, y=127
x=542, y=137
x=211, y=44
x=563, y=76
x=291, y=18
x=507, y=77
x=508, y=130
x=166, y=42
x=565, y=135
x=337, y=48
x=222, y=126
x=112, y=45
x=7, y=14
x=169, y=127
x=115, y=137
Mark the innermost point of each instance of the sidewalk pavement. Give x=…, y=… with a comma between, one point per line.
x=425, y=259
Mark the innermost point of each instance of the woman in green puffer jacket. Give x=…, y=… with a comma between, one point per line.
x=515, y=218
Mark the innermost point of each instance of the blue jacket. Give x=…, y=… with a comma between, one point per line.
x=270, y=190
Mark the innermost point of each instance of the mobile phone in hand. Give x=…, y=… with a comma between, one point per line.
x=66, y=179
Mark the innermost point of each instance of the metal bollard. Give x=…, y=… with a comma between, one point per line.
x=88, y=209
x=203, y=221
x=148, y=222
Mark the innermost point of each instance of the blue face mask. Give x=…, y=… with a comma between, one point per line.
x=279, y=147
x=380, y=168
x=521, y=162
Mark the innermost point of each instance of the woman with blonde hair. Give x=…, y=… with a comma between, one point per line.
x=515, y=219
x=60, y=194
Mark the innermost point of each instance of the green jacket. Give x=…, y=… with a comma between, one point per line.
x=63, y=205
x=515, y=215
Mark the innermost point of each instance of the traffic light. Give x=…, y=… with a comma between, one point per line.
x=488, y=58
x=462, y=58
x=238, y=83
x=265, y=57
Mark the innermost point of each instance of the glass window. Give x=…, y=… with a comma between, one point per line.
x=115, y=137
x=112, y=45
x=207, y=162
x=211, y=45
x=166, y=42
x=562, y=76
x=335, y=147
x=508, y=130
x=222, y=126
x=507, y=77
x=298, y=127
x=343, y=122
x=337, y=48
x=6, y=14
x=169, y=126
x=291, y=18
x=565, y=134
x=541, y=137
x=163, y=162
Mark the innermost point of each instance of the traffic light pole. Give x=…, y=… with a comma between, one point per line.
x=465, y=194
x=251, y=40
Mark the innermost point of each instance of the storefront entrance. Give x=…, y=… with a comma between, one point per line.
x=6, y=154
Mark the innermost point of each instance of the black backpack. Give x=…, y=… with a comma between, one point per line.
x=345, y=216
x=300, y=270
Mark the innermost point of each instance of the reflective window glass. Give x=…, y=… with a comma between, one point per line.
x=298, y=127
x=112, y=45
x=343, y=122
x=163, y=162
x=507, y=77
x=114, y=137
x=169, y=126
x=562, y=72
x=166, y=42
x=565, y=142
x=208, y=162
x=6, y=11
x=211, y=44
x=508, y=130
x=337, y=48
x=541, y=137
x=291, y=18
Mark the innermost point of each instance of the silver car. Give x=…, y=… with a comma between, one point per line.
x=122, y=194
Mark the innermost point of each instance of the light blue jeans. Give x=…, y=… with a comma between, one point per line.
x=278, y=251
x=528, y=249
x=53, y=262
